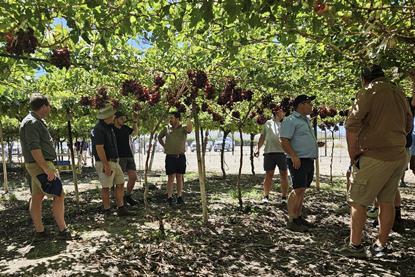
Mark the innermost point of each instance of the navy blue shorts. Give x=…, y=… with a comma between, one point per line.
x=175, y=164
x=271, y=160
x=303, y=176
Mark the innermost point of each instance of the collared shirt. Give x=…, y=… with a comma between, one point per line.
x=103, y=134
x=382, y=117
x=297, y=129
x=175, y=140
x=271, y=131
x=122, y=136
x=34, y=134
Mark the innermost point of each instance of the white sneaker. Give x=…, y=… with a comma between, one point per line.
x=284, y=200
x=265, y=200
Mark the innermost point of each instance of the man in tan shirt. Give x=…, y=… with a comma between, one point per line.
x=376, y=136
x=173, y=139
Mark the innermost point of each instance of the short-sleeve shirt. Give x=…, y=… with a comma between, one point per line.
x=271, y=131
x=103, y=134
x=122, y=136
x=297, y=129
x=175, y=140
x=34, y=134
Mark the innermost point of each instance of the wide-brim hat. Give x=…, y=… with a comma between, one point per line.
x=302, y=98
x=106, y=112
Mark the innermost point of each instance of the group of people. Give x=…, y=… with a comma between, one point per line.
x=376, y=132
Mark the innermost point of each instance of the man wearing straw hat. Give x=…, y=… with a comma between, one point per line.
x=104, y=149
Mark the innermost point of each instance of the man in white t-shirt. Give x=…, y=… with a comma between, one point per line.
x=273, y=155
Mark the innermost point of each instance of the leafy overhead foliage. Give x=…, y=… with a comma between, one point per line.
x=282, y=48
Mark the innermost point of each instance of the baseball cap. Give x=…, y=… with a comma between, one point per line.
x=302, y=98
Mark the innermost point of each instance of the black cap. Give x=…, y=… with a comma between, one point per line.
x=302, y=98
x=119, y=114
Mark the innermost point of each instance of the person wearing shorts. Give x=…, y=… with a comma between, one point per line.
x=299, y=142
x=39, y=154
x=273, y=155
x=127, y=163
x=376, y=139
x=104, y=149
x=173, y=139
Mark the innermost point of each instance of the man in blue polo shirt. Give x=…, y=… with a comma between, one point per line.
x=299, y=142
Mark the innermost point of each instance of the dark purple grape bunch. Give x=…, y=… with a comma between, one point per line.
x=198, y=78
x=21, y=42
x=61, y=58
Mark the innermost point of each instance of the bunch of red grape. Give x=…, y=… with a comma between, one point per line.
x=198, y=78
x=137, y=107
x=180, y=107
x=227, y=94
x=261, y=119
x=236, y=114
x=237, y=95
x=21, y=42
x=247, y=95
x=159, y=81
x=314, y=113
x=344, y=113
x=218, y=118
x=100, y=99
x=331, y=112
x=85, y=101
x=131, y=87
x=286, y=104
x=209, y=91
x=266, y=100
x=323, y=112
x=204, y=107
x=154, y=98
x=61, y=58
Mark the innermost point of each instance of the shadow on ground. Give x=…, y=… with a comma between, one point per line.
x=173, y=241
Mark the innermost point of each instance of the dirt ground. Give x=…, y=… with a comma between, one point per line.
x=173, y=241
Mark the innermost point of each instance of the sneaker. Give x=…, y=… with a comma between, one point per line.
x=305, y=222
x=284, y=200
x=39, y=236
x=129, y=200
x=296, y=226
x=379, y=250
x=122, y=211
x=352, y=251
x=180, y=200
x=170, y=201
x=375, y=223
x=373, y=213
x=65, y=234
x=398, y=226
x=106, y=211
x=265, y=200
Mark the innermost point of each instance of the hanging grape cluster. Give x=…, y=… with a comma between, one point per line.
x=21, y=42
x=61, y=58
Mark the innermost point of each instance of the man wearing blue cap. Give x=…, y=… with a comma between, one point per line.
x=300, y=144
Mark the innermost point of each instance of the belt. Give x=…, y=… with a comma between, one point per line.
x=175, y=155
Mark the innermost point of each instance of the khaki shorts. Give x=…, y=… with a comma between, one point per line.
x=375, y=179
x=33, y=169
x=117, y=176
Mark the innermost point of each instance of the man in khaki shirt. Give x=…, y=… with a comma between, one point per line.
x=376, y=136
x=175, y=146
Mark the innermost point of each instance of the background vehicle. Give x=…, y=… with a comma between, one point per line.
x=218, y=144
x=209, y=146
